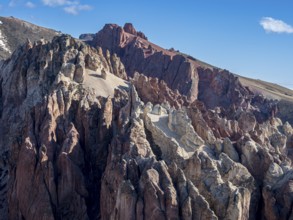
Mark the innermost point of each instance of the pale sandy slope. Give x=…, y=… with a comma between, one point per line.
x=104, y=87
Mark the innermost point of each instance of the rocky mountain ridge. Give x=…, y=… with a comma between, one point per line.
x=77, y=141
x=15, y=32
x=186, y=74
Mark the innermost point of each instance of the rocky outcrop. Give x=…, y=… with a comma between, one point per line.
x=185, y=74
x=173, y=133
x=278, y=198
x=139, y=55
x=116, y=67
x=86, y=37
x=71, y=149
x=219, y=88
x=128, y=28
x=284, y=112
x=55, y=131
x=157, y=92
x=158, y=189
x=238, y=189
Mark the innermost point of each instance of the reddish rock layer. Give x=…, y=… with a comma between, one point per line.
x=190, y=77
x=139, y=55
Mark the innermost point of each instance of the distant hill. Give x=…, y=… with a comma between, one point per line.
x=15, y=32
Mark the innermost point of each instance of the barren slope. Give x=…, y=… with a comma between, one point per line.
x=104, y=87
x=269, y=90
x=15, y=32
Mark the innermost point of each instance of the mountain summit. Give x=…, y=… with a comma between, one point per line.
x=112, y=126
x=190, y=77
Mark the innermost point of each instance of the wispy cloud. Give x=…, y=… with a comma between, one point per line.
x=271, y=25
x=53, y=3
x=75, y=9
x=70, y=7
x=30, y=5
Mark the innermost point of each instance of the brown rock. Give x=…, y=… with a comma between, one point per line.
x=67, y=154
x=79, y=73
x=117, y=67
x=175, y=70
x=246, y=122
x=155, y=91
x=58, y=138
x=278, y=199
x=128, y=28
x=92, y=62
x=103, y=74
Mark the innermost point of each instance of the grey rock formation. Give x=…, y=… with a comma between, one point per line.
x=51, y=127
x=229, y=149
x=72, y=149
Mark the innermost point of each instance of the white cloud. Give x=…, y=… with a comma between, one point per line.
x=30, y=5
x=275, y=26
x=59, y=2
x=69, y=6
x=75, y=9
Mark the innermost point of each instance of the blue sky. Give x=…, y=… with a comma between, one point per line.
x=253, y=38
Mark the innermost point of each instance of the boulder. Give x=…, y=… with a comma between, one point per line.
x=79, y=73
x=103, y=74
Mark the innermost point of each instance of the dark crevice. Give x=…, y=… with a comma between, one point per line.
x=290, y=213
x=155, y=148
x=51, y=201
x=259, y=208
x=94, y=139
x=1, y=101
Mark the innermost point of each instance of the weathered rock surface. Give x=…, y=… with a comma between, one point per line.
x=15, y=32
x=157, y=92
x=173, y=134
x=139, y=55
x=189, y=76
x=278, y=198
x=178, y=142
x=55, y=131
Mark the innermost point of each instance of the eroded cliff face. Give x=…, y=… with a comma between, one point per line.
x=167, y=168
x=139, y=55
x=187, y=76
x=55, y=131
x=78, y=142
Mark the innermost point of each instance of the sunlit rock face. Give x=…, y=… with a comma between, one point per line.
x=87, y=133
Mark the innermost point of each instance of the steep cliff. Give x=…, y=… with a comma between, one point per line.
x=190, y=77
x=139, y=55
x=77, y=141
x=55, y=130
